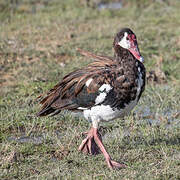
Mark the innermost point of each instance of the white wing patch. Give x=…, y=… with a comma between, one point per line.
x=88, y=82
x=100, y=98
x=82, y=108
x=124, y=42
x=104, y=89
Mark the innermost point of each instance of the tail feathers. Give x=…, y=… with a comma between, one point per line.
x=46, y=111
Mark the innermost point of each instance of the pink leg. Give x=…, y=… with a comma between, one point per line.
x=92, y=143
x=111, y=164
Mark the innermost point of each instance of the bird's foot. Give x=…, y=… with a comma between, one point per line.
x=92, y=144
x=115, y=165
x=88, y=145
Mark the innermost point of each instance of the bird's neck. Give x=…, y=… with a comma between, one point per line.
x=121, y=54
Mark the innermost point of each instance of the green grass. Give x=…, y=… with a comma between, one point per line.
x=37, y=48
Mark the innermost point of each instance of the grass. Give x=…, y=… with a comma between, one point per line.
x=38, y=47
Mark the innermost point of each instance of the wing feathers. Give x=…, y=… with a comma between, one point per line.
x=60, y=97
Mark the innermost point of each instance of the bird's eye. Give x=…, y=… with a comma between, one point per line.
x=127, y=38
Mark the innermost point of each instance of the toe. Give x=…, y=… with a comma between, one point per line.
x=117, y=165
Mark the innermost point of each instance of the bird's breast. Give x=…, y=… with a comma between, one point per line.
x=119, y=101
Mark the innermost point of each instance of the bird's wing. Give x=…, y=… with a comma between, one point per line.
x=80, y=88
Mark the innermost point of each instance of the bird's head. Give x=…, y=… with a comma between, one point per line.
x=126, y=39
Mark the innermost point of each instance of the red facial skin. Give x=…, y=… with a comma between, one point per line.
x=134, y=47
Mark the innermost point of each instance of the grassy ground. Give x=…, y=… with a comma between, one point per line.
x=38, y=47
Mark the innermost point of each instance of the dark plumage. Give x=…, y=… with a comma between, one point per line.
x=106, y=89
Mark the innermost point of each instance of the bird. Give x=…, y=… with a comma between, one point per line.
x=106, y=89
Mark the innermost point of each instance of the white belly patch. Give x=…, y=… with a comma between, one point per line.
x=106, y=113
